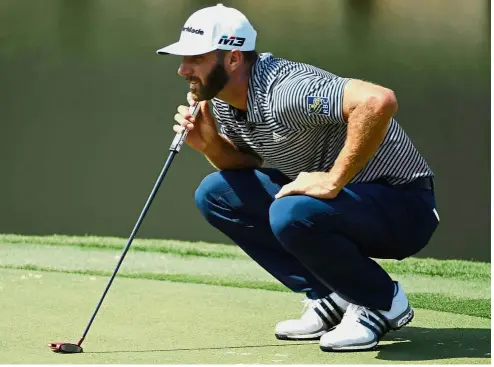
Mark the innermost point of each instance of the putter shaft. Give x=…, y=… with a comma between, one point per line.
x=174, y=149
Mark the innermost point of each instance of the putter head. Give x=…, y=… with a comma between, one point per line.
x=61, y=347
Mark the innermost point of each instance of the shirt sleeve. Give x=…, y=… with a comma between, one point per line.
x=304, y=100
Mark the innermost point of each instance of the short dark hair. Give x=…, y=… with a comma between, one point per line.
x=250, y=57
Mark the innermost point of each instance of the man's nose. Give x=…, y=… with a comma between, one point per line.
x=184, y=70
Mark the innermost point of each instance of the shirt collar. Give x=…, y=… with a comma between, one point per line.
x=253, y=85
x=254, y=80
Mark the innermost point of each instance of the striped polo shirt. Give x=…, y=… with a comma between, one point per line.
x=295, y=123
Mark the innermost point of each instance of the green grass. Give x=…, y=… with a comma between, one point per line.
x=431, y=301
x=182, y=302
x=461, y=287
x=182, y=248
x=439, y=302
x=156, y=322
x=453, y=269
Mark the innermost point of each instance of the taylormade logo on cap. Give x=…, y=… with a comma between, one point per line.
x=220, y=28
x=192, y=30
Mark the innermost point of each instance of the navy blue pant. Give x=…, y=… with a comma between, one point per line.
x=318, y=246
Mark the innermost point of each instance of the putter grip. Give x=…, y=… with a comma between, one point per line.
x=180, y=137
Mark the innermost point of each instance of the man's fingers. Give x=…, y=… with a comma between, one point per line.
x=183, y=122
x=282, y=193
x=180, y=119
x=184, y=111
x=178, y=128
x=285, y=190
x=293, y=187
x=190, y=99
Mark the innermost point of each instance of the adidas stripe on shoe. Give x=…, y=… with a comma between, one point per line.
x=318, y=317
x=362, y=328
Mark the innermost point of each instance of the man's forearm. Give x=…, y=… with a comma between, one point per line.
x=223, y=155
x=367, y=126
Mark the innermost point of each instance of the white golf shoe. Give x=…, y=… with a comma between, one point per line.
x=361, y=328
x=318, y=317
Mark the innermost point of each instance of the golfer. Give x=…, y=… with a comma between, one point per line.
x=344, y=184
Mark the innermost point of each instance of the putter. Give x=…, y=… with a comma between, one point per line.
x=68, y=348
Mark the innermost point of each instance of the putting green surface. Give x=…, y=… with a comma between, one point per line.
x=453, y=291
x=73, y=258
x=147, y=322
x=185, y=303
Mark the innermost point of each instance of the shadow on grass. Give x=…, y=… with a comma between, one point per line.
x=422, y=344
x=409, y=344
x=205, y=348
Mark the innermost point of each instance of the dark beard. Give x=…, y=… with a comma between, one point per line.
x=215, y=82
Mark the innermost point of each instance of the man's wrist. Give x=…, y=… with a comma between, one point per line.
x=212, y=146
x=335, y=181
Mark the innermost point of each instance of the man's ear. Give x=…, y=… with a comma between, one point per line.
x=235, y=59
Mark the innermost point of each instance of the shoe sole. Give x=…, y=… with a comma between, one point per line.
x=352, y=348
x=301, y=337
x=405, y=320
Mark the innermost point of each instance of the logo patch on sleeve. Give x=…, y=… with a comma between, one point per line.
x=318, y=105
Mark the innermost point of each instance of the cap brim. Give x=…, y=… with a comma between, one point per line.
x=184, y=49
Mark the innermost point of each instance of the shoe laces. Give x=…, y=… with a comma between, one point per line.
x=353, y=314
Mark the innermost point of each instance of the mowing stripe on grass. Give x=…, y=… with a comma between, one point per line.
x=431, y=301
x=76, y=258
x=452, y=269
x=181, y=248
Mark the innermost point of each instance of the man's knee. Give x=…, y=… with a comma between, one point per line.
x=291, y=217
x=247, y=190
x=231, y=189
x=208, y=190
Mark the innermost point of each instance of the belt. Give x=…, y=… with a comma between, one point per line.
x=420, y=183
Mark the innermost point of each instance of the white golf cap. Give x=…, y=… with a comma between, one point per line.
x=214, y=28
